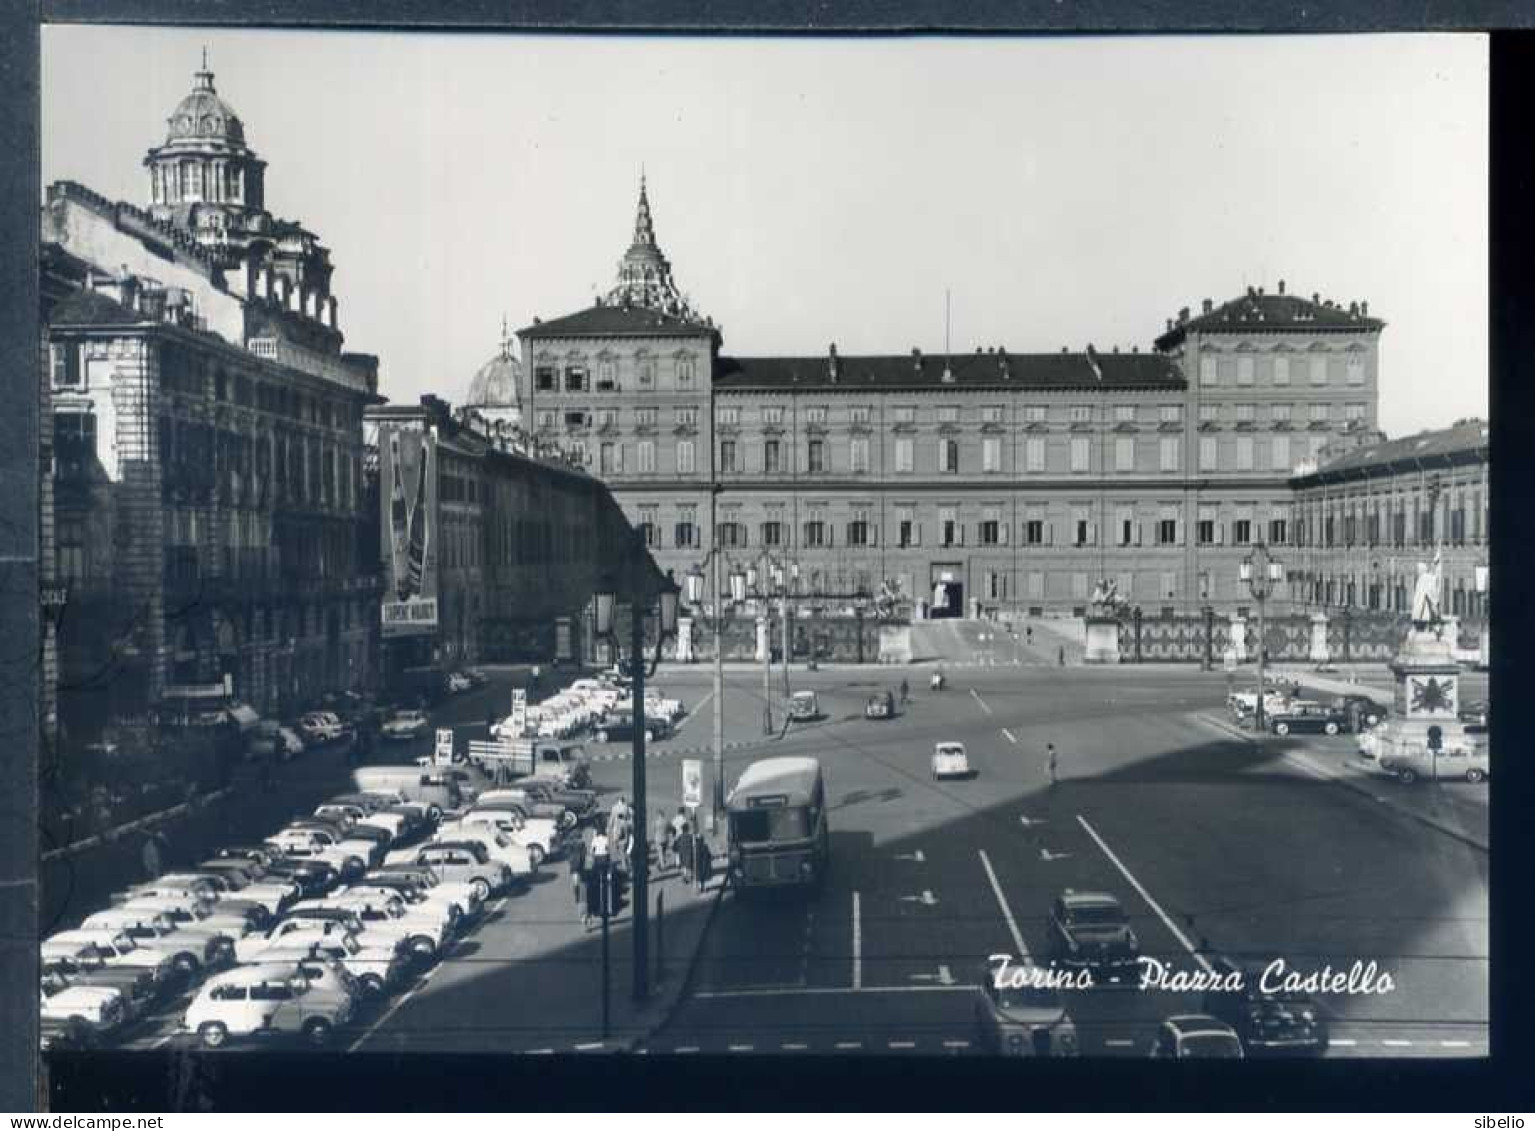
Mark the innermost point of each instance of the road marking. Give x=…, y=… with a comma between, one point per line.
x=1454, y=1044
x=685, y=1048
x=1047, y=856
x=857, y=946
x=1007, y=912
x=538, y=1052
x=740, y=1048
x=693, y=714
x=956, y=1044
x=927, y=898
x=1009, y=736
x=976, y=695
x=793, y=1046
x=1397, y=1044
x=849, y=1045
x=1119, y=1043
x=1146, y=895
x=590, y=1046
x=1343, y=1042
x=902, y=1044
x=391, y=1011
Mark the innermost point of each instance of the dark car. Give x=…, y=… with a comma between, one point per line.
x=314, y=877
x=619, y=727
x=1370, y=711
x=1309, y=718
x=58, y=1034
x=1090, y=928
x=1269, y=1024
x=1195, y=1035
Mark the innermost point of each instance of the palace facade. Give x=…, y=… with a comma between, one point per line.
x=982, y=481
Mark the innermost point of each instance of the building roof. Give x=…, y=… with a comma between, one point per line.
x=496, y=382
x=203, y=114
x=916, y=371
x=617, y=321
x=1258, y=311
x=1464, y=442
x=92, y=308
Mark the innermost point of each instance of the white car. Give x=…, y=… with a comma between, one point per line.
x=498, y=846
x=270, y=1000
x=950, y=760
x=286, y=935
x=115, y=949
x=192, y=948
x=388, y=920
x=404, y=725
x=439, y=912
x=458, y=683
x=378, y=969
x=539, y=835
x=95, y=1010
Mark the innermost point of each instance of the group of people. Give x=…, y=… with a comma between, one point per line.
x=676, y=846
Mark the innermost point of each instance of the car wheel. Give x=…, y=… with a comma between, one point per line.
x=186, y=964
x=1406, y=776
x=1371, y=720
x=423, y=947
x=434, y=813
x=372, y=985
x=1474, y=775
x=317, y=1032
x=536, y=854
x=1281, y=728
x=481, y=888
x=213, y=1034
x=602, y=736
x=568, y=820
x=1331, y=728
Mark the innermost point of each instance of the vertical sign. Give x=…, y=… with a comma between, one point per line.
x=443, y=754
x=564, y=651
x=692, y=782
x=519, y=711
x=408, y=496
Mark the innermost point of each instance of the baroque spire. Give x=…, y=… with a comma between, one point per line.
x=645, y=274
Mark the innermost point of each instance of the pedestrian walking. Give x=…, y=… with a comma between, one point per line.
x=686, y=847
x=533, y=680
x=578, y=859
x=1050, y=757
x=703, y=863
x=659, y=846
x=905, y=691
x=1060, y=656
x=1028, y=634
x=154, y=864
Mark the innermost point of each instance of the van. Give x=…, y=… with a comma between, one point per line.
x=432, y=787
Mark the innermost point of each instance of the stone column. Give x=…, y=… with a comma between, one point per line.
x=763, y=645
x=1239, y=638
x=1318, y=652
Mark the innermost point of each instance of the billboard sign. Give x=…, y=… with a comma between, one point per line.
x=408, y=495
x=519, y=711
x=692, y=782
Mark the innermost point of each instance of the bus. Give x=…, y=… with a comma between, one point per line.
x=778, y=832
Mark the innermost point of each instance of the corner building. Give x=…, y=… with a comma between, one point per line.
x=983, y=481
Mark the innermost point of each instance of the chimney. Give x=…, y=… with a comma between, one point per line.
x=1116, y=347
x=916, y=359
x=1183, y=315
x=1281, y=286
x=1353, y=310
x=1316, y=298
x=1364, y=309
x=832, y=365
x=1208, y=306
x=1169, y=324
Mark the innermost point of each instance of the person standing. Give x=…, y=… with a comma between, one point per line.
x=659, y=844
x=578, y=859
x=150, y=855
x=703, y=862
x=686, y=847
x=1050, y=758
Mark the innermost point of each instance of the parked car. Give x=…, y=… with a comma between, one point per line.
x=138, y=986
x=950, y=760
x=618, y=726
x=404, y=725
x=382, y=920
x=289, y=933
x=880, y=706
x=319, y=728
x=459, y=895
x=1461, y=760
x=1370, y=712
x=804, y=706
x=268, y=1001
x=1023, y=1017
x=1090, y=928
x=465, y=863
x=97, y=1012
x=497, y=845
x=1309, y=718
x=1267, y=1023
x=192, y=948
x=270, y=739
x=531, y=801
x=114, y=949
x=378, y=969
x=1190, y=1035
x=539, y=836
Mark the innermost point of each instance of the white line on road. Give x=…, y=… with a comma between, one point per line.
x=976, y=695
x=1343, y=1042
x=1397, y=1044
x=685, y=1048
x=793, y=1046
x=538, y=1052
x=1146, y=895
x=740, y=1048
x=849, y=1045
x=1009, y=736
x=1007, y=912
x=693, y=714
x=857, y=946
x=1455, y=1044
x=956, y=1044
x=1119, y=1043
x=589, y=1046
x=903, y=1044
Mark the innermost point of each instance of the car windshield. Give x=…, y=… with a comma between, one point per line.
x=1210, y=1044
x=1096, y=915
x=1028, y=997
x=950, y=748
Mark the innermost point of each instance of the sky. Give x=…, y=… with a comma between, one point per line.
x=1062, y=191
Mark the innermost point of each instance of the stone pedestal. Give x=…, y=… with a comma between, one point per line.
x=1102, y=640
x=685, y=640
x=763, y=644
x=1318, y=652
x=1427, y=696
x=1239, y=638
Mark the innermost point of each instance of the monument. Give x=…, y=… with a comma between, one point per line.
x=1102, y=622
x=1426, y=703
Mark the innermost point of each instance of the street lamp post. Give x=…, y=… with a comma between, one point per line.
x=1261, y=572
x=605, y=601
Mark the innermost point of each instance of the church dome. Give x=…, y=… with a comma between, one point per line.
x=496, y=383
x=202, y=114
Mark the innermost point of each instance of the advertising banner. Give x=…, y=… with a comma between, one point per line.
x=408, y=494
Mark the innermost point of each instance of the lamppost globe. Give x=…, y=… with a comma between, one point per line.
x=695, y=584
x=737, y=586
x=751, y=576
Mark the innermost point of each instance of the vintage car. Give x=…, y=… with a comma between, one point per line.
x=1190, y=1035
x=880, y=706
x=98, y=1011
x=1090, y=928
x=285, y=935
x=115, y=949
x=1302, y=717
x=1017, y=1013
x=234, y=917
x=532, y=801
x=384, y=919
x=536, y=834
x=618, y=726
x=465, y=863
x=269, y=1001
x=462, y=899
x=804, y=707
x=557, y=790
x=1278, y=1023
x=442, y=913
x=317, y=728
x=138, y=986
x=192, y=948
x=404, y=725
x=950, y=760
x=271, y=739
x=497, y=845
x=378, y=969
x=1366, y=708
x=1458, y=760
x=458, y=683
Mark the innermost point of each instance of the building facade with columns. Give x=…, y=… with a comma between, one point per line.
x=1365, y=519
x=207, y=432
x=985, y=480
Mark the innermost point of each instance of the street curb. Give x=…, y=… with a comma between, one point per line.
x=1348, y=783
x=686, y=979
x=672, y=751
x=117, y=832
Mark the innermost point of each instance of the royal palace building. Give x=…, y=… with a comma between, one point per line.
x=209, y=517
x=981, y=481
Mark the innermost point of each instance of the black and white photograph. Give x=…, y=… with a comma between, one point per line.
x=764, y=548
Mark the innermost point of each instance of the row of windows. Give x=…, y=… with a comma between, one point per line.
x=1392, y=528
x=1278, y=453
x=1278, y=370
x=818, y=532
x=580, y=378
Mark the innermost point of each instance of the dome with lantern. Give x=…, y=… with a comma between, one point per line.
x=493, y=392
